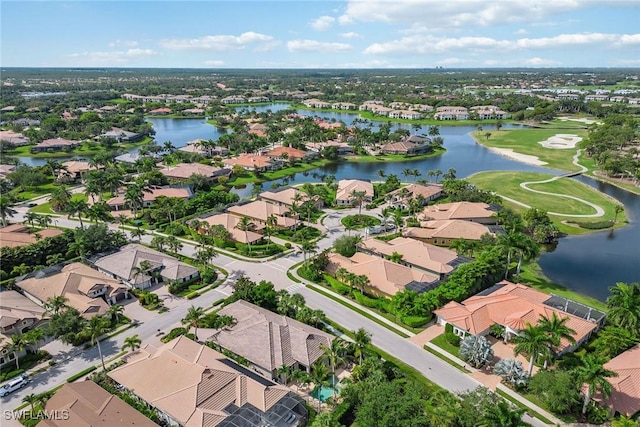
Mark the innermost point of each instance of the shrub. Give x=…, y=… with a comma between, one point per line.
x=448, y=328
x=593, y=225
x=81, y=374
x=193, y=295
x=287, y=245
x=175, y=332
x=452, y=338
x=415, y=321
x=364, y=300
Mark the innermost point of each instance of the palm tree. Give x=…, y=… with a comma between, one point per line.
x=31, y=218
x=6, y=210
x=173, y=244
x=44, y=221
x=358, y=198
x=122, y=220
x=96, y=327
x=360, y=281
x=617, y=210
x=308, y=247
x=77, y=208
x=16, y=345
x=133, y=342
x=31, y=399
x=284, y=372
x=158, y=242
x=361, y=340
x=556, y=329
x=592, y=373
x=245, y=224
x=503, y=415
x=532, y=341
x=55, y=304
x=137, y=233
x=335, y=353
x=115, y=311
x=624, y=305
x=624, y=422
x=60, y=198
x=194, y=318
x=318, y=377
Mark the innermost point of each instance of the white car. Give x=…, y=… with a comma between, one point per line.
x=13, y=385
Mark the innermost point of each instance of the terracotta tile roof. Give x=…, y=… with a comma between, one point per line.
x=269, y=340
x=284, y=196
x=261, y=210
x=72, y=282
x=625, y=396
x=193, y=383
x=57, y=142
x=91, y=405
x=230, y=223
x=448, y=229
x=458, y=210
x=185, y=170
x=348, y=186
x=292, y=153
x=77, y=166
x=249, y=161
x=512, y=305
x=15, y=307
x=415, y=190
x=388, y=277
x=423, y=255
x=181, y=192
x=15, y=235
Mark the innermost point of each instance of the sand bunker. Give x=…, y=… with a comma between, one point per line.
x=581, y=120
x=561, y=141
x=522, y=158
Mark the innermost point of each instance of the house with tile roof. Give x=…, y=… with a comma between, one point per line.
x=230, y=223
x=405, y=147
x=415, y=254
x=269, y=340
x=95, y=406
x=13, y=138
x=286, y=196
x=125, y=265
x=467, y=211
x=184, y=171
x=346, y=187
x=399, y=198
x=259, y=211
x=56, y=144
x=75, y=170
x=121, y=135
x=445, y=232
x=149, y=197
x=625, y=388
x=252, y=162
x=16, y=235
x=18, y=314
x=386, y=278
x=87, y=290
x=192, y=385
x=514, y=306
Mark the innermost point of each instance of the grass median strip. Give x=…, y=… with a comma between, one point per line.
x=357, y=310
x=523, y=406
x=81, y=374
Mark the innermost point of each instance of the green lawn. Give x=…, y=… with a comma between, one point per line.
x=526, y=141
x=442, y=342
x=84, y=149
x=508, y=184
x=35, y=192
x=45, y=208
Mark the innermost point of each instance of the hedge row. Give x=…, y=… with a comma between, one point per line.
x=81, y=374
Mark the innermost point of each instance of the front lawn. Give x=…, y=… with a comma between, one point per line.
x=441, y=341
x=300, y=235
x=358, y=221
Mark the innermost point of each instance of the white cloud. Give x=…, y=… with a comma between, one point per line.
x=323, y=23
x=521, y=32
x=459, y=13
x=126, y=43
x=350, y=35
x=424, y=44
x=114, y=57
x=214, y=62
x=299, y=46
x=221, y=43
x=541, y=62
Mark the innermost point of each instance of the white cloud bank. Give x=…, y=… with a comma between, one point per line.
x=301, y=46
x=114, y=57
x=222, y=43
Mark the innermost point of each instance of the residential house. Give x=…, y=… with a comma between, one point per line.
x=625, y=387
x=132, y=158
x=85, y=403
x=253, y=99
x=369, y=105
x=234, y=99
x=13, y=138
x=18, y=314
x=597, y=97
x=445, y=232
x=346, y=188
x=285, y=154
x=15, y=235
x=316, y=103
x=56, y=144
x=119, y=202
x=75, y=170
x=487, y=112
x=252, y=162
x=342, y=148
x=405, y=147
x=399, y=199
x=161, y=111
x=125, y=265
x=184, y=171
x=415, y=254
x=286, y=196
x=451, y=113
x=343, y=106
x=268, y=340
x=230, y=223
x=386, y=278
x=122, y=135
x=193, y=112
x=87, y=290
x=6, y=170
x=514, y=306
x=192, y=385
x=197, y=146
x=260, y=210
x=467, y=211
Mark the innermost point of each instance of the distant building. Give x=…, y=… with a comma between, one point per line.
x=57, y=144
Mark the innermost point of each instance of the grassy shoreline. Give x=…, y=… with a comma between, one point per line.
x=83, y=150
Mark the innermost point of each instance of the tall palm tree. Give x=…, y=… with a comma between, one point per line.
x=96, y=327
x=6, y=209
x=308, y=247
x=55, y=304
x=335, y=353
x=194, y=318
x=533, y=342
x=60, y=198
x=624, y=305
x=285, y=372
x=592, y=373
x=318, y=377
x=16, y=345
x=270, y=226
x=31, y=399
x=556, y=329
x=502, y=415
x=44, y=221
x=358, y=198
x=361, y=340
x=31, y=218
x=360, y=281
x=133, y=342
x=245, y=224
x=115, y=311
x=77, y=208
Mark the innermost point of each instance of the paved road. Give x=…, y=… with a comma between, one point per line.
x=430, y=366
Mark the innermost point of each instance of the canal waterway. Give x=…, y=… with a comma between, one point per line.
x=588, y=264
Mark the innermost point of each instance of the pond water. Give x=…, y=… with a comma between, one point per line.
x=588, y=264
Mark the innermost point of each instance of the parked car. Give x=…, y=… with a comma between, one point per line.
x=14, y=384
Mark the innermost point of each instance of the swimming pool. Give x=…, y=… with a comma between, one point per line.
x=324, y=393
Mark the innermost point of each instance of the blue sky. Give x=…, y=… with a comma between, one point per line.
x=321, y=34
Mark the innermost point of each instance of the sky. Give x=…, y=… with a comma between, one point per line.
x=320, y=34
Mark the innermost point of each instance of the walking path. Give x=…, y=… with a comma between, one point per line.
x=599, y=212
